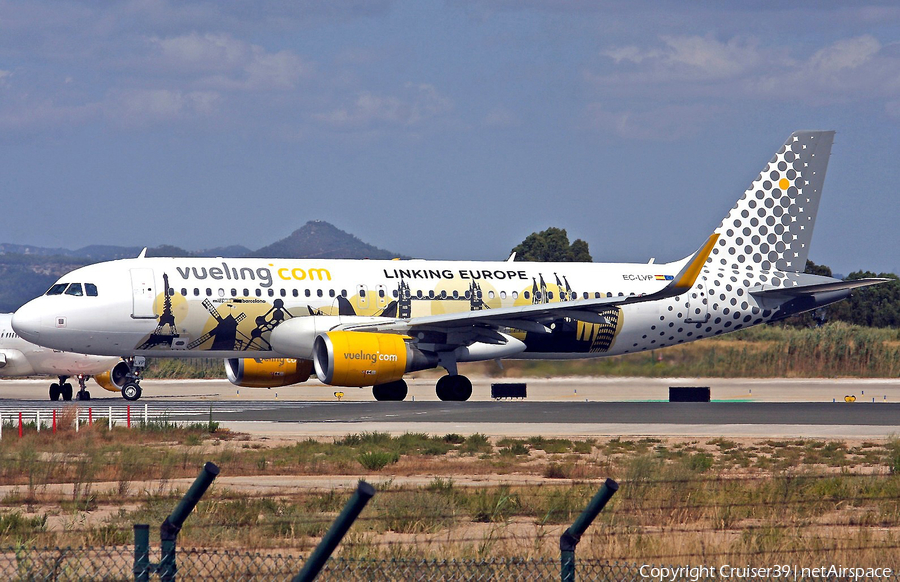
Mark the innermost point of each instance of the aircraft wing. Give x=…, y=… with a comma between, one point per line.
x=531, y=317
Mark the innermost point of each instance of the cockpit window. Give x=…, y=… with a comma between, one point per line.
x=75, y=289
x=57, y=289
x=90, y=289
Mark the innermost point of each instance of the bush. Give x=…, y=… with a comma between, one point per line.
x=377, y=460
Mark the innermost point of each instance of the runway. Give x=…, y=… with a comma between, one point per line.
x=556, y=407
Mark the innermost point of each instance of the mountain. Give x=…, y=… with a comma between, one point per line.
x=320, y=240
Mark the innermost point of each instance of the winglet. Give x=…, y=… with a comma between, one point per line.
x=689, y=273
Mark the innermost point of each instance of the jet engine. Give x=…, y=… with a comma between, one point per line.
x=267, y=373
x=354, y=358
x=113, y=379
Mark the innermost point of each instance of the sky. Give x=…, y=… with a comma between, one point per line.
x=441, y=129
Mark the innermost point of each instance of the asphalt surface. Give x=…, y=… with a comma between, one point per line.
x=765, y=413
x=813, y=408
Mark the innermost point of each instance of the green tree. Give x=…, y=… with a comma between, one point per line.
x=552, y=245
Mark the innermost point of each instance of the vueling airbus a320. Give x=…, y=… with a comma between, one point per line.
x=367, y=323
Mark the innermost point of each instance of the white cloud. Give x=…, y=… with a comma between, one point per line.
x=419, y=104
x=143, y=107
x=220, y=61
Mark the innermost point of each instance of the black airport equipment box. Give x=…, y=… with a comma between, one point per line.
x=508, y=390
x=688, y=393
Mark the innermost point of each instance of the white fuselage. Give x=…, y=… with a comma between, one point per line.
x=228, y=307
x=22, y=358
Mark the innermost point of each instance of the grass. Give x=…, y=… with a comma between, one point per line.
x=680, y=500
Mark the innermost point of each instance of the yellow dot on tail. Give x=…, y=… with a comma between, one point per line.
x=784, y=183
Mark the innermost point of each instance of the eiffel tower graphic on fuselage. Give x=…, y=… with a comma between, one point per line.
x=161, y=335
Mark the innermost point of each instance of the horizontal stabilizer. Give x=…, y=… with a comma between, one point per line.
x=798, y=290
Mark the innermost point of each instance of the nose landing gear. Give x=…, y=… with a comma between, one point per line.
x=131, y=390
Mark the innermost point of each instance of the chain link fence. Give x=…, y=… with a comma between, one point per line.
x=113, y=564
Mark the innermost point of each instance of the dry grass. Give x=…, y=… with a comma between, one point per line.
x=680, y=501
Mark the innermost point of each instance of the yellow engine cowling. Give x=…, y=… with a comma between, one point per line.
x=267, y=373
x=353, y=358
x=114, y=379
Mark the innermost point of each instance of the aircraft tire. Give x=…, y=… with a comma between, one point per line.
x=66, y=391
x=83, y=395
x=55, y=392
x=454, y=388
x=131, y=391
x=392, y=391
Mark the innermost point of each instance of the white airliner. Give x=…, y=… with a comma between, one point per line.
x=20, y=358
x=367, y=323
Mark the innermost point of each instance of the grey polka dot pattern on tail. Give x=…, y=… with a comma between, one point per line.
x=771, y=226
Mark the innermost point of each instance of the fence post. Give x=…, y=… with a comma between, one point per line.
x=110, y=418
x=570, y=538
x=168, y=531
x=128, y=416
x=37, y=420
x=316, y=560
x=20, y=424
x=141, y=568
x=54, y=421
x=90, y=416
x=77, y=414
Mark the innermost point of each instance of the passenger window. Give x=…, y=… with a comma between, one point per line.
x=221, y=292
x=362, y=293
x=91, y=290
x=331, y=292
x=343, y=292
x=455, y=294
x=490, y=294
x=284, y=292
x=196, y=292
x=234, y=292
x=259, y=292
x=380, y=293
x=395, y=294
x=57, y=289
x=515, y=294
x=75, y=289
x=585, y=296
x=319, y=292
x=296, y=293
x=443, y=294
x=208, y=292
x=549, y=294
x=271, y=292
x=184, y=292
x=307, y=293
x=526, y=294
x=503, y=295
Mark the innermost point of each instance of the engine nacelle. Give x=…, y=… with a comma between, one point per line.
x=354, y=358
x=114, y=379
x=267, y=373
x=296, y=337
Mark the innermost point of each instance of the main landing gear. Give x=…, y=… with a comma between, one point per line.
x=392, y=391
x=454, y=388
x=131, y=389
x=63, y=389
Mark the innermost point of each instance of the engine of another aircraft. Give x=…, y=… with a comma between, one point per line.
x=267, y=373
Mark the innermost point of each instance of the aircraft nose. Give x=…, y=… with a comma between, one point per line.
x=27, y=321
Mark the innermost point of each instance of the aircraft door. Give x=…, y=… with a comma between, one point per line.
x=698, y=303
x=143, y=291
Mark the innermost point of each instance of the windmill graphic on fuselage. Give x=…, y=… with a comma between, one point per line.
x=225, y=332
